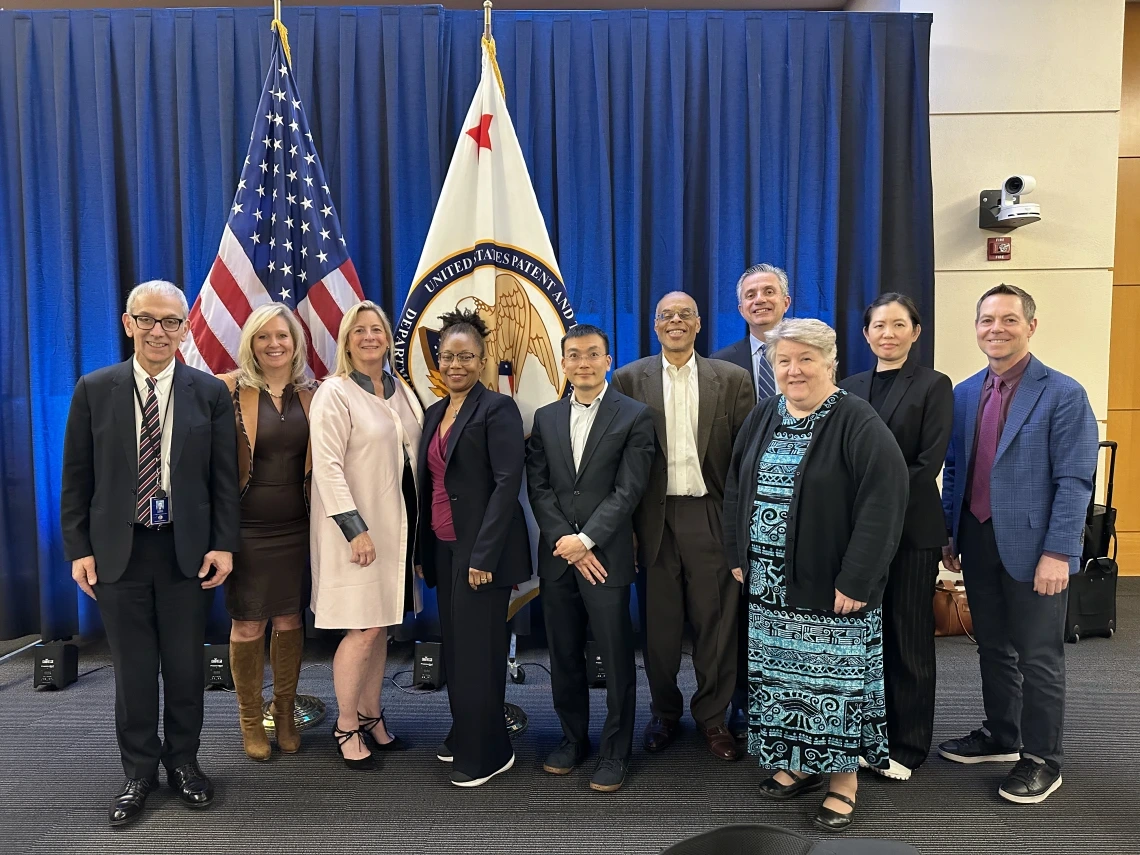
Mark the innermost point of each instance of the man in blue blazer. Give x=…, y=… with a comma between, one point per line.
x=1016, y=486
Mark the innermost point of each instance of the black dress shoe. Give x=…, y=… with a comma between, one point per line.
x=192, y=785
x=394, y=742
x=773, y=789
x=128, y=805
x=832, y=820
x=1030, y=782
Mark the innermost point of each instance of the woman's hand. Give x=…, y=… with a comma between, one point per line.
x=738, y=575
x=363, y=552
x=475, y=578
x=844, y=605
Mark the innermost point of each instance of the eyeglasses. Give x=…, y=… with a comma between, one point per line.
x=683, y=314
x=146, y=322
x=575, y=358
x=465, y=358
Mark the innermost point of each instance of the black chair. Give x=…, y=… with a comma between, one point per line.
x=770, y=840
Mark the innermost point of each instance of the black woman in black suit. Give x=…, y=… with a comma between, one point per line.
x=917, y=403
x=473, y=544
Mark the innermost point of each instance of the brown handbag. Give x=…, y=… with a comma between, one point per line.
x=952, y=610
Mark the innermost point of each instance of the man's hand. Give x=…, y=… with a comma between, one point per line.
x=83, y=572
x=1052, y=576
x=844, y=605
x=222, y=562
x=738, y=575
x=475, y=578
x=591, y=568
x=363, y=550
x=949, y=559
x=570, y=548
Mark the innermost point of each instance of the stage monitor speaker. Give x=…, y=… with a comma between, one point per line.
x=595, y=668
x=217, y=658
x=428, y=671
x=57, y=665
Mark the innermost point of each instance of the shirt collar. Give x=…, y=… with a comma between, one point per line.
x=141, y=375
x=756, y=343
x=574, y=402
x=1012, y=374
x=692, y=363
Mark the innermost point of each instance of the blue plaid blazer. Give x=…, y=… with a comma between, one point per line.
x=1042, y=477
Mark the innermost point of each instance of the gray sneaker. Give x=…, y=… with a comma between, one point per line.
x=609, y=776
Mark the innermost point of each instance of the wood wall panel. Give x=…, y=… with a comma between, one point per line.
x=1127, y=260
x=1124, y=427
x=1124, y=349
x=1130, y=84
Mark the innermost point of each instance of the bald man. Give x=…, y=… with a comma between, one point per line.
x=698, y=405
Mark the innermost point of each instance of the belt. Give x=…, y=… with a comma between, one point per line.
x=154, y=528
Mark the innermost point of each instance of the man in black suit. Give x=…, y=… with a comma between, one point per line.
x=588, y=462
x=149, y=511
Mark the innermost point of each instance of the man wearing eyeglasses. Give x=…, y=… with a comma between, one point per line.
x=149, y=512
x=698, y=406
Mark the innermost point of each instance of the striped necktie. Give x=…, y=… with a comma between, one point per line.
x=150, y=452
x=765, y=379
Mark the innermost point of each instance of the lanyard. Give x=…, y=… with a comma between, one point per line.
x=161, y=493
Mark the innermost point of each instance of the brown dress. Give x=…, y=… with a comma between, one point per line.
x=271, y=571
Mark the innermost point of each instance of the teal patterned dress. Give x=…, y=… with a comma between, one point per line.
x=815, y=679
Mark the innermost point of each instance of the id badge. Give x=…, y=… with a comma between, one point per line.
x=160, y=510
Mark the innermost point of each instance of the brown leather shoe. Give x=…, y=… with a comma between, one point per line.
x=659, y=733
x=720, y=742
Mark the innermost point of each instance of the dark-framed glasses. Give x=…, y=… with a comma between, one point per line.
x=146, y=322
x=465, y=358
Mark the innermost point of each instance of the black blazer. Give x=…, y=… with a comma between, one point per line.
x=101, y=465
x=848, y=501
x=485, y=461
x=598, y=500
x=739, y=353
x=920, y=412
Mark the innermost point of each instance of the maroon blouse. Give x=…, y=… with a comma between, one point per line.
x=441, y=522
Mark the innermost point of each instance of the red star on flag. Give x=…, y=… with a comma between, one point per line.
x=481, y=133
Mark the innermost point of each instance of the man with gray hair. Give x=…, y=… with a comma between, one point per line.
x=150, y=516
x=762, y=299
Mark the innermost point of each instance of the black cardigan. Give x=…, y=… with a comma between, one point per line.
x=848, y=502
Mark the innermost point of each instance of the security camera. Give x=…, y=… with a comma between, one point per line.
x=1002, y=210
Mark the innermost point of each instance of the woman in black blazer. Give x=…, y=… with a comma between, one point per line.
x=917, y=403
x=473, y=544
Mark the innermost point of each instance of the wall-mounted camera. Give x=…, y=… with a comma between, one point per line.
x=1002, y=210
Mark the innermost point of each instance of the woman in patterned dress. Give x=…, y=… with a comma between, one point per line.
x=813, y=512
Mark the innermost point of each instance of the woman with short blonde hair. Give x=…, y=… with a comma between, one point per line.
x=271, y=394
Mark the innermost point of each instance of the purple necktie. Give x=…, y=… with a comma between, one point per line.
x=989, y=434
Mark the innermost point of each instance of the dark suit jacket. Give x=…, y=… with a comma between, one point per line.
x=485, y=460
x=101, y=463
x=599, y=498
x=920, y=413
x=739, y=353
x=726, y=397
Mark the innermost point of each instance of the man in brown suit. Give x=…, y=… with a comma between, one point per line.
x=698, y=405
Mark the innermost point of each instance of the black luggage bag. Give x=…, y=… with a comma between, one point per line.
x=1092, y=591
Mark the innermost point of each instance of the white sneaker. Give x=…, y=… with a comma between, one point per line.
x=461, y=780
x=895, y=771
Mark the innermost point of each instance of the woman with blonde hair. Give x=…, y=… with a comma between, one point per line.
x=366, y=430
x=271, y=395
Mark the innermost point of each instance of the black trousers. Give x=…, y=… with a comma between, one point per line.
x=691, y=579
x=475, y=646
x=155, y=620
x=568, y=604
x=908, y=654
x=1021, y=648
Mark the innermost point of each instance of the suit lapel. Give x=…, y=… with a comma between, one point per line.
x=607, y=409
x=562, y=432
x=859, y=384
x=655, y=399
x=973, y=393
x=1028, y=391
x=898, y=389
x=182, y=388
x=469, y=405
x=123, y=405
x=708, y=385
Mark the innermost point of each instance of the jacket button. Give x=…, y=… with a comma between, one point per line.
x=661, y=502
x=577, y=493
x=130, y=525
x=455, y=498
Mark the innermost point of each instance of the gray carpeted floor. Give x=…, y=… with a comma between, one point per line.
x=59, y=766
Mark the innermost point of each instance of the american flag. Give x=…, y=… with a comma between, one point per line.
x=282, y=241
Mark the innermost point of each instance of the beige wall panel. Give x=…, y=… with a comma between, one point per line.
x=1073, y=158
x=1074, y=308
x=1124, y=351
x=1008, y=56
x=1127, y=261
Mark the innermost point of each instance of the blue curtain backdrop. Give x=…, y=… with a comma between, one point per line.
x=669, y=150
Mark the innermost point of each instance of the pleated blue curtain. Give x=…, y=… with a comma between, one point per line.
x=669, y=150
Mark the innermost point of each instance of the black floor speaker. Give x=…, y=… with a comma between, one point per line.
x=428, y=672
x=217, y=659
x=57, y=665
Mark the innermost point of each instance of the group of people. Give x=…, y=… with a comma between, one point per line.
x=793, y=521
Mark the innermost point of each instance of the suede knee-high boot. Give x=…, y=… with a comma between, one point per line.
x=247, y=664
x=285, y=657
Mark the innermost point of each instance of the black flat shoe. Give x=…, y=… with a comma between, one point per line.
x=364, y=764
x=366, y=725
x=129, y=804
x=192, y=785
x=833, y=821
x=773, y=789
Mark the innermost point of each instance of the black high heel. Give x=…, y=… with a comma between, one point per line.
x=364, y=764
x=366, y=725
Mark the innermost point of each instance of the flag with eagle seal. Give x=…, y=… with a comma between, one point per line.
x=488, y=249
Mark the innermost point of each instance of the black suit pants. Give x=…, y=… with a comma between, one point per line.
x=568, y=604
x=475, y=645
x=1021, y=648
x=908, y=654
x=155, y=618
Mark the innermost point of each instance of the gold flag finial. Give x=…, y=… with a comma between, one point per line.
x=281, y=31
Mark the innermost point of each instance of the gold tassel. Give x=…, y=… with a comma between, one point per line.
x=489, y=44
x=281, y=31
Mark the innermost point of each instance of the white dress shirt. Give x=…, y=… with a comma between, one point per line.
x=682, y=404
x=764, y=376
x=582, y=418
x=163, y=385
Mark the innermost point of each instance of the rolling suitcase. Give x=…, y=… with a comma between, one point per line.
x=1092, y=591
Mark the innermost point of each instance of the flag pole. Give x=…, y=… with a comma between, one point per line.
x=281, y=31
x=486, y=19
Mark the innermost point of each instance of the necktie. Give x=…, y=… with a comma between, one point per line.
x=989, y=434
x=150, y=452
x=765, y=379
